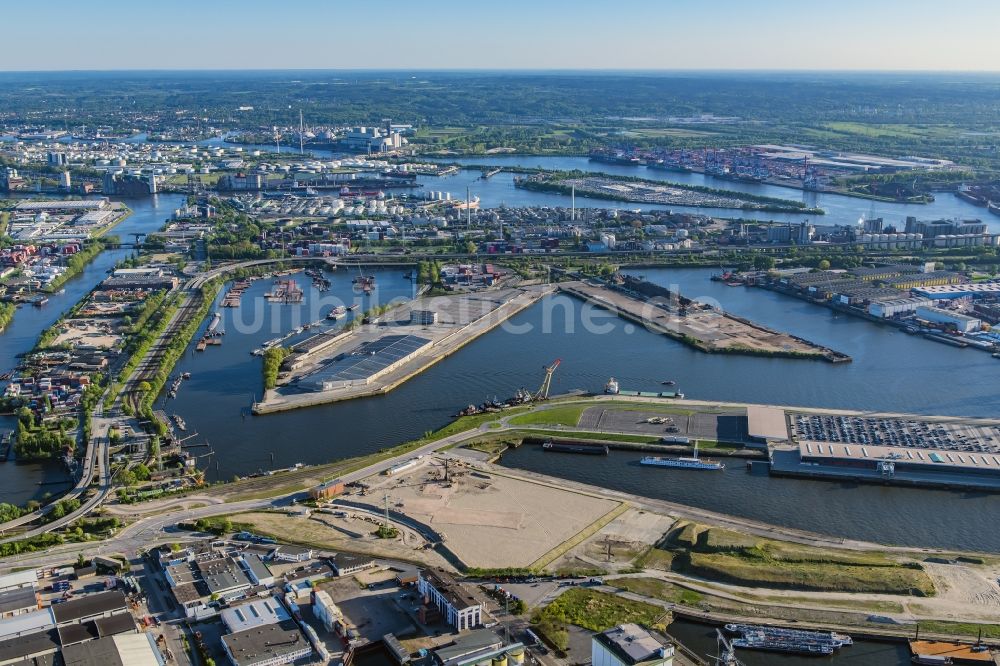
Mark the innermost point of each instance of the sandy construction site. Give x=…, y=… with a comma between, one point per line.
x=490, y=519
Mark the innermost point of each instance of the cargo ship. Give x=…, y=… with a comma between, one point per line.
x=694, y=462
x=565, y=447
x=791, y=641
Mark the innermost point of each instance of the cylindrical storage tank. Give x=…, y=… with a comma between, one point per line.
x=516, y=656
x=500, y=660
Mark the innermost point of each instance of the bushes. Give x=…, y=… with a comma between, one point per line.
x=6, y=314
x=272, y=364
x=41, y=443
x=597, y=611
x=40, y=542
x=76, y=263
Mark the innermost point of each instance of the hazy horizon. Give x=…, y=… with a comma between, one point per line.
x=445, y=35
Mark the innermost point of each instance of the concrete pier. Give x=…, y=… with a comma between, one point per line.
x=412, y=336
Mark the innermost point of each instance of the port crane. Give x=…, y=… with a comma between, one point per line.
x=543, y=391
x=727, y=653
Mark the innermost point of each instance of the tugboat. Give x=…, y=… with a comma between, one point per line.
x=694, y=462
x=612, y=388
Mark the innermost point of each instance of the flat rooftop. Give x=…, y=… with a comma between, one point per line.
x=17, y=599
x=451, y=590
x=94, y=604
x=989, y=462
x=953, y=290
x=26, y=623
x=122, y=650
x=767, y=423
x=19, y=579
x=254, y=614
x=267, y=643
x=631, y=643
x=86, y=204
x=369, y=358
x=14, y=650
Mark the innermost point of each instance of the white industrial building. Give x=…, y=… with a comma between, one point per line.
x=257, y=613
x=459, y=607
x=27, y=578
x=898, y=306
x=629, y=645
x=325, y=610
x=962, y=323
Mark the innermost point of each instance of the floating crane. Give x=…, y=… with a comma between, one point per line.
x=543, y=391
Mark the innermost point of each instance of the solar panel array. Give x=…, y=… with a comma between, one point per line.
x=370, y=358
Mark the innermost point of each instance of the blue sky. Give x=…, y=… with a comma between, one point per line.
x=506, y=34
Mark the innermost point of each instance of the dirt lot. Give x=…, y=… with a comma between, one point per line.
x=89, y=333
x=350, y=534
x=490, y=520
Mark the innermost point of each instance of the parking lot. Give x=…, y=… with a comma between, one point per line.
x=726, y=426
x=908, y=433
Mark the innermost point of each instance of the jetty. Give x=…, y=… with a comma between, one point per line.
x=699, y=325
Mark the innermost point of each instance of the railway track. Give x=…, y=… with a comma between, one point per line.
x=149, y=365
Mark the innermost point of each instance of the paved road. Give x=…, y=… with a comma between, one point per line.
x=95, y=461
x=162, y=527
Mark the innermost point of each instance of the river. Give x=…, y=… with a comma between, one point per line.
x=840, y=209
x=19, y=482
x=891, y=371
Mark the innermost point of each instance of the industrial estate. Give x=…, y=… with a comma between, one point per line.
x=270, y=392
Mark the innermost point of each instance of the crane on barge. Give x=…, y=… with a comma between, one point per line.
x=543, y=391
